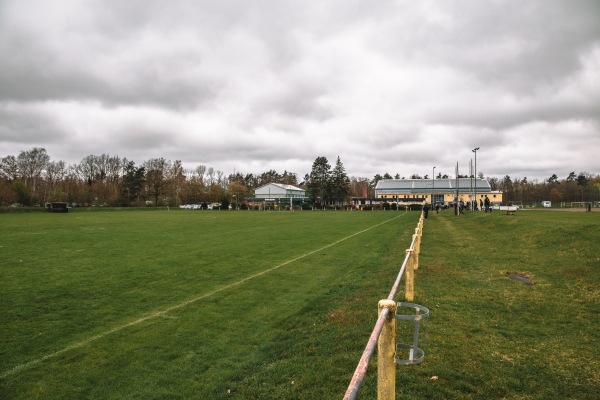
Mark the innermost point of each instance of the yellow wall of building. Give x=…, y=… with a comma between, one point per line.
x=495, y=197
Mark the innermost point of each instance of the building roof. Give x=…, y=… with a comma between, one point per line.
x=426, y=185
x=281, y=186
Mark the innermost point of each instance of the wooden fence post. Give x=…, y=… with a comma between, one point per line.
x=386, y=353
x=415, y=251
x=410, y=276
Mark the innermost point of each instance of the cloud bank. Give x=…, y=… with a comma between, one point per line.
x=397, y=87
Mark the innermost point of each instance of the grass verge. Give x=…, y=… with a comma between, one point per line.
x=496, y=337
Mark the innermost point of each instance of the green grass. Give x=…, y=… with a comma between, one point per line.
x=497, y=338
x=71, y=284
x=75, y=289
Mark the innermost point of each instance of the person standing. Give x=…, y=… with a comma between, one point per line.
x=426, y=210
x=487, y=204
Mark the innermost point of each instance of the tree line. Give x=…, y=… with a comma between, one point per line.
x=574, y=187
x=32, y=178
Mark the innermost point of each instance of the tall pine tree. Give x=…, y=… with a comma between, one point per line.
x=340, y=184
x=318, y=180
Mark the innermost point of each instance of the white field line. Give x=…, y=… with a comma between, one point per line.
x=163, y=313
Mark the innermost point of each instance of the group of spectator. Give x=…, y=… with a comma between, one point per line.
x=484, y=205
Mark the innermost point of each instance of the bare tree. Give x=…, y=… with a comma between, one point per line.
x=9, y=168
x=31, y=164
x=157, y=172
x=177, y=178
x=200, y=171
x=210, y=176
x=56, y=172
x=87, y=169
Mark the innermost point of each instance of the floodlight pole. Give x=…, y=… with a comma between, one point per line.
x=471, y=194
x=433, y=190
x=475, y=151
x=456, y=209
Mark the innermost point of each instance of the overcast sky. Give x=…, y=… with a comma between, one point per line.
x=389, y=86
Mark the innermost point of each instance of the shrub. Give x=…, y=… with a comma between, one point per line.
x=23, y=194
x=224, y=204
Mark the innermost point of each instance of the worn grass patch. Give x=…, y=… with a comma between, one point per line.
x=523, y=277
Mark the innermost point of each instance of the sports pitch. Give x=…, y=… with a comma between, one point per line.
x=174, y=304
x=277, y=305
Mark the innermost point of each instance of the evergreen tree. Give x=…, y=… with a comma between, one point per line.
x=318, y=180
x=340, y=184
x=376, y=179
x=133, y=181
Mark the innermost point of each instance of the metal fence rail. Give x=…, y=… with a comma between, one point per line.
x=384, y=330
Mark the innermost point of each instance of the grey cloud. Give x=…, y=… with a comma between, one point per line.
x=389, y=86
x=41, y=75
x=26, y=127
x=514, y=44
x=297, y=100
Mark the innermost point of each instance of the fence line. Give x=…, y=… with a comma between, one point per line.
x=386, y=322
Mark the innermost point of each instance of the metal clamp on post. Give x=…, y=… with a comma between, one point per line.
x=415, y=354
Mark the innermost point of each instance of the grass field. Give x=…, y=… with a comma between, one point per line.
x=278, y=305
x=185, y=304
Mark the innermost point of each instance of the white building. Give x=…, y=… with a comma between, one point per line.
x=278, y=191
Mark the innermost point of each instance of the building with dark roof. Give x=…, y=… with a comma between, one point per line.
x=438, y=191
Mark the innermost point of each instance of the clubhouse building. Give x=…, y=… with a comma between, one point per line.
x=435, y=191
x=277, y=193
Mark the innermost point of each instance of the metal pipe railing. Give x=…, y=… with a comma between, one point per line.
x=361, y=369
x=387, y=313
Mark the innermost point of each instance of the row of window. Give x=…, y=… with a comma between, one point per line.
x=404, y=196
x=418, y=196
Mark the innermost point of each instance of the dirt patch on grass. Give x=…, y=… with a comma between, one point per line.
x=524, y=277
